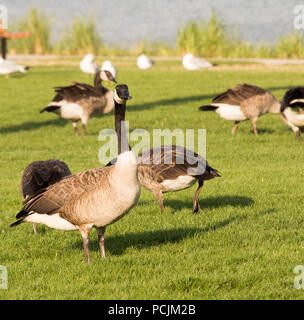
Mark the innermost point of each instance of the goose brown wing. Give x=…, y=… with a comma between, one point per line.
x=170, y=162
x=51, y=199
x=238, y=94
x=41, y=174
x=76, y=92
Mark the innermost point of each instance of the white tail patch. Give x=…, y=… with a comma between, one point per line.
x=52, y=221
x=229, y=112
x=68, y=110
x=182, y=182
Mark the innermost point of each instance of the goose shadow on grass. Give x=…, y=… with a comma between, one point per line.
x=32, y=125
x=117, y=245
x=206, y=203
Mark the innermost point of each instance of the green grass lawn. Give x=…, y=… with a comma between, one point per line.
x=245, y=242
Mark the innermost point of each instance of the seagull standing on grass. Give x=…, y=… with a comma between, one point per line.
x=88, y=65
x=193, y=63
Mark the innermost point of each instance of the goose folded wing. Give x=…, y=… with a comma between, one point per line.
x=51, y=199
x=238, y=94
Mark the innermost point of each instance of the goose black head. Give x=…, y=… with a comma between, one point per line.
x=121, y=93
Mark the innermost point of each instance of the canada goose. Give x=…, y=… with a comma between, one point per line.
x=7, y=67
x=88, y=65
x=243, y=102
x=92, y=198
x=292, y=110
x=41, y=174
x=144, y=62
x=172, y=168
x=193, y=63
x=81, y=101
x=108, y=66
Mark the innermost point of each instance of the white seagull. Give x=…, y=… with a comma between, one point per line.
x=7, y=67
x=144, y=62
x=88, y=65
x=107, y=66
x=193, y=63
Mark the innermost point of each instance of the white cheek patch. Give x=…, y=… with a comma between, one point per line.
x=117, y=99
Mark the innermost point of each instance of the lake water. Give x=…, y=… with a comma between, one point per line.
x=125, y=22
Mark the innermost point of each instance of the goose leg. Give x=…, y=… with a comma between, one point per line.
x=159, y=196
x=85, y=231
x=75, y=128
x=236, y=123
x=35, y=228
x=254, y=126
x=298, y=134
x=101, y=240
x=83, y=129
x=196, y=206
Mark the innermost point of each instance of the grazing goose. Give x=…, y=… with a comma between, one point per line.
x=172, y=168
x=144, y=62
x=193, y=63
x=107, y=66
x=244, y=102
x=41, y=174
x=92, y=198
x=81, y=101
x=88, y=65
x=292, y=110
x=159, y=174
x=7, y=67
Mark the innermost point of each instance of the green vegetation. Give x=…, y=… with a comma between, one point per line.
x=243, y=245
x=210, y=39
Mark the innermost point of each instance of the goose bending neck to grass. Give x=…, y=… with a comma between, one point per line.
x=243, y=102
x=41, y=174
x=292, y=110
x=93, y=198
x=81, y=101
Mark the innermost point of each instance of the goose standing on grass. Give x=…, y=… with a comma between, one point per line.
x=88, y=65
x=81, y=101
x=93, y=198
x=193, y=63
x=41, y=174
x=292, y=110
x=172, y=168
x=107, y=66
x=144, y=62
x=7, y=67
x=244, y=102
